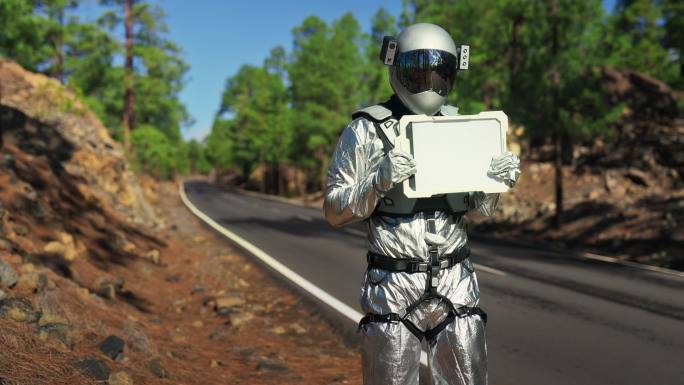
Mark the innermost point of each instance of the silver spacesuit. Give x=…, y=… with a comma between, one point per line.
x=420, y=282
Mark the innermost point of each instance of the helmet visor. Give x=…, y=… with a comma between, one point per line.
x=426, y=69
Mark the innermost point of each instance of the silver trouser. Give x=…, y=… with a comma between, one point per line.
x=391, y=353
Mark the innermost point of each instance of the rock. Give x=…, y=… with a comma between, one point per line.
x=226, y=305
x=221, y=333
x=57, y=331
x=297, y=328
x=197, y=324
x=637, y=176
x=153, y=256
x=245, y=352
x=29, y=280
x=178, y=336
x=128, y=247
x=120, y=378
x=271, y=365
x=83, y=293
x=107, y=288
x=197, y=289
x=44, y=283
x=54, y=247
x=20, y=229
x=136, y=339
x=180, y=305
x=279, y=330
x=157, y=369
x=215, y=364
x=18, y=309
x=8, y=277
x=112, y=346
x=3, y=295
x=237, y=320
x=50, y=312
x=93, y=368
x=4, y=243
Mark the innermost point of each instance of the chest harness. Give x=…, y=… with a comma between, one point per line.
x=396, y=204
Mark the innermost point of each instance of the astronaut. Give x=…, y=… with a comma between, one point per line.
x=419, y=283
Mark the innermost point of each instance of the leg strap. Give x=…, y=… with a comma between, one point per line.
x=390, y=318
x=460, y=312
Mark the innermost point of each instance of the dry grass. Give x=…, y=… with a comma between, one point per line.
x=26, y=360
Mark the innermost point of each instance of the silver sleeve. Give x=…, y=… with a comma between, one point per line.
x=350, y=194
x=483, y=203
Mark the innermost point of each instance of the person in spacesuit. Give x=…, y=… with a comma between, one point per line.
x=420, y=283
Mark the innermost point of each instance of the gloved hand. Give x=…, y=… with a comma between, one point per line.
x=394, y=167
x=505, y=168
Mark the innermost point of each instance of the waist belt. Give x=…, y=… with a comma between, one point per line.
x=379, y=261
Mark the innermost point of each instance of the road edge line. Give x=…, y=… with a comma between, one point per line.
x=285, y=271
x=579, y=254
x=295, y=278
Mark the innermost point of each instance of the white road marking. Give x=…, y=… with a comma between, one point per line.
x=490, y=270
x=633, y=264
x=304, y=218
x=297, y=279
x=356, y=232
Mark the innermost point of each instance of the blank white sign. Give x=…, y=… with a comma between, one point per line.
x=453, y=153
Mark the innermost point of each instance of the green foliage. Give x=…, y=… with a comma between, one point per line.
x=542, y=67
x=159, y=71
x=22, y=34
x=635, y=36
x=44, y=36
x=374, y=74
x=156, y=154
x=197, y=159
x=324, y=79
x=259, y=130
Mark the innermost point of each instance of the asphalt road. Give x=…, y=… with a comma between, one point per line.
x=554, y=319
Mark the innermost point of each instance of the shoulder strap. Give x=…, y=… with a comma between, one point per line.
x=377, y=113
x=380, y=116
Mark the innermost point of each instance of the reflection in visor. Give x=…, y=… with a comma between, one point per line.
x=426, y=69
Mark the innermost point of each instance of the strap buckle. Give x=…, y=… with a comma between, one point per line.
x=423, y=267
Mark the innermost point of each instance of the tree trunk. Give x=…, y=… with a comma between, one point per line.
x=514, y=57
x=129, y=95
x=281, y=181
x=57, y=41
x=558, y=136
x=274, y=178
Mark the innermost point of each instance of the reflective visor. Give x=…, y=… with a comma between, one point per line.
x=426, y=69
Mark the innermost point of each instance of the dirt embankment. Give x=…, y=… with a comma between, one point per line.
x=106, y=278
x=622, y=197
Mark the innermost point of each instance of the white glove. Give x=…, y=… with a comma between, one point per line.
x=505, y=168
x=394, y=168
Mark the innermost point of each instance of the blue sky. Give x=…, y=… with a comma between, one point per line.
x=218, y=37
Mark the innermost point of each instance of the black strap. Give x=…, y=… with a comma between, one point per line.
x=429, y=335
x=379, y=261
x=460, y=312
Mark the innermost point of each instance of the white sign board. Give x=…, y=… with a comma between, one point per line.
x=452, y=153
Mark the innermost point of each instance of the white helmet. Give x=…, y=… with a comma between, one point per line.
x=422, y=66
